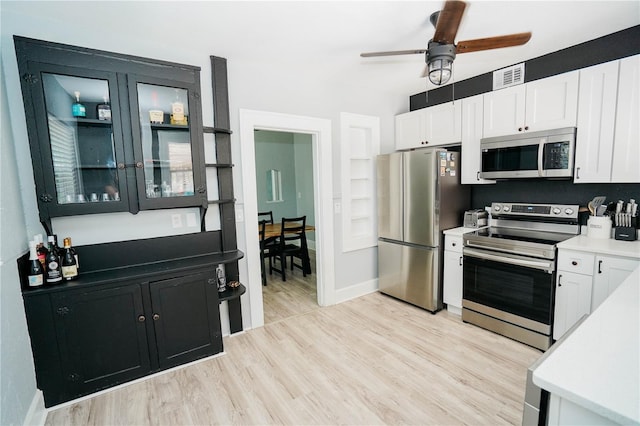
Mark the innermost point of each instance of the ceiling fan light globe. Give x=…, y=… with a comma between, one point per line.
x=440, y=71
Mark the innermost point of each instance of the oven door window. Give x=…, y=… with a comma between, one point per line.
x=521, y=291
x=510, y=158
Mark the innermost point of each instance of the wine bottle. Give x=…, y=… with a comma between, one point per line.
x=103, y=110
x=77, y=109
x=41, y=250
x=36, y=272
x=69, y=263
x=54, y=268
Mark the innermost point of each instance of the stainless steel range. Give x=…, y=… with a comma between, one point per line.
x=509, y=270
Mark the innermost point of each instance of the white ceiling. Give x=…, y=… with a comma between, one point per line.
x=331, y=35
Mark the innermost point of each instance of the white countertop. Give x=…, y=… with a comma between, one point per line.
x=598, y=365
x=459, y=231
x=602, y=246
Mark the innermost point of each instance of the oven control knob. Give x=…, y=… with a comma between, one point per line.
x=497, y=207
x=568, y=212
x=556, y=210
x=506, y=208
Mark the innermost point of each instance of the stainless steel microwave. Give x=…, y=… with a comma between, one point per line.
x=545, y=154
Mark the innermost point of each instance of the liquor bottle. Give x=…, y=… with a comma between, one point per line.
x=177, y=112
x=103, y=110
x=69, y=263
x=56, y=245
x=36, y=272
x=41, y=250
x=54, y=268
x=77, y=109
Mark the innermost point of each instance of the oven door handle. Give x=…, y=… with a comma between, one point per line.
x=510, y=259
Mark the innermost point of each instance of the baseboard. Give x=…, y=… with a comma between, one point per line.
x=37, y=414
x=356, y=290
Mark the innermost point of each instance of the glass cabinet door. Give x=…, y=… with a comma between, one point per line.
x=168, y=176
x=83, y=151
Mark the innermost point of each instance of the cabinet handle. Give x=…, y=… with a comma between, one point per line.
x=574, y=263
x=156, y=317
x=559, y=278
x=599, y=266
x=577, y=172
x=141, y=318
x=477, y=176
x=460, y=261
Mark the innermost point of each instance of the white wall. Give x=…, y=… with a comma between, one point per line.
x=293, y=82
x=17, y=383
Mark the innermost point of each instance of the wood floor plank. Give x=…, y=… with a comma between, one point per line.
x=371, y=360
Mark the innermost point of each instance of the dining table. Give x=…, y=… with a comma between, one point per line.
x=273, y=229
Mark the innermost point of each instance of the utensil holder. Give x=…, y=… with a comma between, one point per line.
x=599, y=227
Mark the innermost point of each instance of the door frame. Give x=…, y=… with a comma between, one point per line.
x=320, y=131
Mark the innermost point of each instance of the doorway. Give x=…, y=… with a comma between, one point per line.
x=284, y=184
x=320, y=132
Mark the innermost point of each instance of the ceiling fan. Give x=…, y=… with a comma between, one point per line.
x=441, y=50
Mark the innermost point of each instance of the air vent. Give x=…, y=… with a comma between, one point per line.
x=507, y=77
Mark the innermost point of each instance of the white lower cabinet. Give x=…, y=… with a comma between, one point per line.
x=573, y=300
x=584, y=281
x=452, y=278
x=610, y=272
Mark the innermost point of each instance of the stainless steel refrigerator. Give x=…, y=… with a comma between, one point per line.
x=419, y=196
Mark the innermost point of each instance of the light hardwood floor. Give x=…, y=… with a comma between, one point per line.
x=285, y=299
x=371, y=360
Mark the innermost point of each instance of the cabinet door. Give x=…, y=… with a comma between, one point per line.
x=452, y=278
x=609, y=274
x=471, y=158
x=410, y=129
x=79, y=152
x=101, y=337
x=552, y=103
x=596, y=120
x=186, y=318
x=168, y=148
x=626, y=150
x=443, y=124
x=504, y=111
x=573, y=300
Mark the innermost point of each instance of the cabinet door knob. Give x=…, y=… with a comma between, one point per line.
x=156, y=317
x=519, y=129
x=526, y=127
x=121, y=166
x=139, y=165
x=574, y=263
x=141, y=318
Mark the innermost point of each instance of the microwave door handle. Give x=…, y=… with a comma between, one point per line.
x=541, y=171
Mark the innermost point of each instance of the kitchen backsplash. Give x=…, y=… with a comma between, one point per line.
x=550, y=191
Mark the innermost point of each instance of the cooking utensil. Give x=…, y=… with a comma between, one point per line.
x=595, y=203
x=600, y=211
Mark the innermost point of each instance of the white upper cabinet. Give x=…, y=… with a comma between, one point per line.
x=626, y=148
x=596, y=122
x=433, y=126
x=549, y=103
x=607, y=147
x=471, y=158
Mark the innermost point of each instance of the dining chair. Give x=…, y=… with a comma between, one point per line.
x=267, y=217
x=266, y=249
x=292, y=244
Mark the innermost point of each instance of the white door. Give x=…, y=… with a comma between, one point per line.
x=609, y=274
x=573, y=300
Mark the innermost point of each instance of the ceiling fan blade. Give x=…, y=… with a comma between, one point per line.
x=449, y=21
x=393, y=52
x=492, y=42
